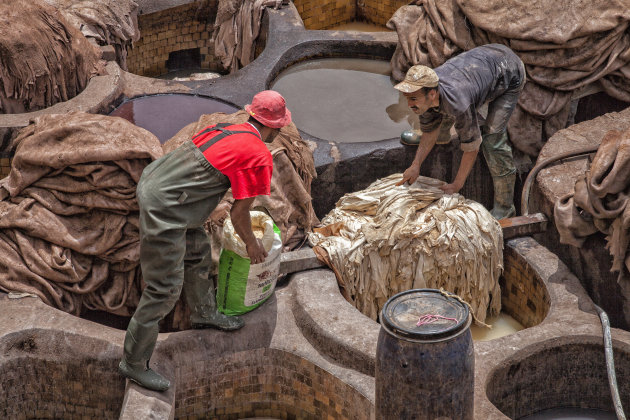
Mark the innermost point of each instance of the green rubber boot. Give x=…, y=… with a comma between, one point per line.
x=503, y=197
x=203, y=309
x=198, y=288
x=143, y=376
x=498, y=154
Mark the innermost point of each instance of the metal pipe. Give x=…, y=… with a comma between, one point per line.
x=532, y=174
x=610, y=364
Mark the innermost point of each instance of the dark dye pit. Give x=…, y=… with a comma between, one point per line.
x=345, y=100
x=165, y=115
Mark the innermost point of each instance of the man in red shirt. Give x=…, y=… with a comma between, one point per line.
x=176, y=194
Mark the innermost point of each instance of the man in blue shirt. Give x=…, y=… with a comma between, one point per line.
x=455, y=91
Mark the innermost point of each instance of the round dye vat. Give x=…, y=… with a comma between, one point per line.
x=165, y=115
x=502, y=325
x=345, y=100
x=571, y=414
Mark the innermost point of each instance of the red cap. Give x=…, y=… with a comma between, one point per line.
x=270, y=109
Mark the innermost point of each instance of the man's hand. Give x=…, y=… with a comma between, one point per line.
x=450, y=188
x=256, y=252
x=410, y=175
x=242, y=223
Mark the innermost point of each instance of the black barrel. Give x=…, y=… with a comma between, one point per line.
x=424, y=359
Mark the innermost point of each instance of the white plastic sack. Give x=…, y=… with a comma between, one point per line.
x=241, y=286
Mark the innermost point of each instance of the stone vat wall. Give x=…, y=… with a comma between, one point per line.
x=266, y=383
x=569, y=374
x=35, y=388
x=523, y=294
x=171, y=30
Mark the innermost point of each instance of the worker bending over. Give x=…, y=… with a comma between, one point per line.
x=176, y=194
x=455, y=91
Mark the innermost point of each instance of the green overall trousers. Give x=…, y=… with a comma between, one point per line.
x=176, y=194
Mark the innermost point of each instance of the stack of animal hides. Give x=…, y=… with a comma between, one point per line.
x=387, y=239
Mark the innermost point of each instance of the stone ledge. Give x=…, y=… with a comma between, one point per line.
x=331, y=324
x=140, y=403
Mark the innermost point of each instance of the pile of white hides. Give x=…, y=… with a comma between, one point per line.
x=387, y=239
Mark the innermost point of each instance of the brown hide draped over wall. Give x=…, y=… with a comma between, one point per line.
x=43, y=58
x=108, y=22
x=600, y=201
x=564, y=44
x=236, y=29
x=69, y=215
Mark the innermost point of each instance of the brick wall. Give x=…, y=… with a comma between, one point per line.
x=171, y=30
x=380, y=11
x=266, y=383
x=5, y=165
x=523, y=294
x=324, y=14
x=42, y=389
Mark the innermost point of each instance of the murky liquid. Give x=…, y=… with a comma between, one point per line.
x=571, y=414
x=360, y=26
x=165, y=115
x=345, y=100
x=502, y=325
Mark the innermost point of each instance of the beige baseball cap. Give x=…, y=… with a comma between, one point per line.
x=418, y=77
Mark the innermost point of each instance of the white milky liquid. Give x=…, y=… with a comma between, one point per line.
x=502, y=325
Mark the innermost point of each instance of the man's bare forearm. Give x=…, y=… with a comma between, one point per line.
x=427, y=142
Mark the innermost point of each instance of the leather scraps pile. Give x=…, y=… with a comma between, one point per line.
x=565, y=46
x=69, y=215
x=108, y=22
x=600, y=201
x=387, y=239
x=44, y=59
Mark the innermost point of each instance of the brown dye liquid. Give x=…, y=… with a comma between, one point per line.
x=571, y=414
x=346, y=100
x=360, y=27
x=165, y=115
x=502, y=325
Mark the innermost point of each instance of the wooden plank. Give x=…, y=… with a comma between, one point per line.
x=523, y=225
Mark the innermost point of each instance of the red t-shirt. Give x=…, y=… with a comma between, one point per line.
x=242, y=157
